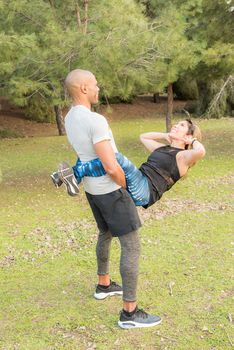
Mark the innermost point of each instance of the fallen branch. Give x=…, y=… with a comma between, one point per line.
x=171, y=284
x=219, y=95
x=230, y=317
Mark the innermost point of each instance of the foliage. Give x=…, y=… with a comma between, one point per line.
x=209, y=29
x=38, y=109
x=50, y=42
x=128, y=53
x=132, y=46
x=186, y=88
x=8, y=134
x=215, y=22
x=179, y=52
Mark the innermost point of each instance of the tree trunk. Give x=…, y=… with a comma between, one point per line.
x=59, y=120
x=169, y=106
x=204, y=98
x=51, y=3
x=78, y=16
x=86, y=4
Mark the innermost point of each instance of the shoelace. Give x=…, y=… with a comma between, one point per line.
x=141, y=313
x=112, y=283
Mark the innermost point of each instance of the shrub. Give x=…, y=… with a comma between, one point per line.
x=8, y=134
x=186, y=88
x=37, y=109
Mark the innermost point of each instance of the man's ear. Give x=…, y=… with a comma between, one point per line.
x=83, y=89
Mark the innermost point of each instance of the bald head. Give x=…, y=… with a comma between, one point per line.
x=82, y=87
x=75, y=79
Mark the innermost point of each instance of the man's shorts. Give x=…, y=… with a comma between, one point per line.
x=114, y=211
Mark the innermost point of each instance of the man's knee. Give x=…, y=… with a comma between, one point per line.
x=103, y=244
x=130, y=253
x=130, y=243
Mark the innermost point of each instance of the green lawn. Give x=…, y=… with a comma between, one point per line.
x=47, y=252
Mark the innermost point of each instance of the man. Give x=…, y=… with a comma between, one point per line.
x=112, y=207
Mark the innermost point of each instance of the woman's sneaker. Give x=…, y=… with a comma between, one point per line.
x=56, y=179
x=139, y=319
x=111, y=290
x=66, y=175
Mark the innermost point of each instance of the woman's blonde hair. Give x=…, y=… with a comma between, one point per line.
x=193, y=130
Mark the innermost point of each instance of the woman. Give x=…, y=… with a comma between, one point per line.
x=164, y=167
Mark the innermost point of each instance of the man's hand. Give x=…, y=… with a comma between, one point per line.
x=106, y=154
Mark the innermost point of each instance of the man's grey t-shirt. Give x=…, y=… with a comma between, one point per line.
x=85, y=128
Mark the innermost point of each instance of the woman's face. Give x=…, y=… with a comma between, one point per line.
x=180, y=129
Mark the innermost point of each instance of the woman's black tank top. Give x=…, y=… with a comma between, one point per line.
x=161, y=170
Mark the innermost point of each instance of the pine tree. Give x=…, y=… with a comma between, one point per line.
x=41, y=41
x=178, y=52
x=209, y=29
x=216, y=67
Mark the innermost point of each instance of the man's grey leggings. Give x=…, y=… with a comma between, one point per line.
x=129, y=261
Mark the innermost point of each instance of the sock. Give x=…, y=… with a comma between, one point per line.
x=103, y=287
x=131, y=313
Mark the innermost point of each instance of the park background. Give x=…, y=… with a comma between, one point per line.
x=153, y=60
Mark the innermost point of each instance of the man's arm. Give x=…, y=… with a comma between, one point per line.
x=106, y=154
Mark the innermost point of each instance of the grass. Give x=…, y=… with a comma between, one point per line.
x=47, y=252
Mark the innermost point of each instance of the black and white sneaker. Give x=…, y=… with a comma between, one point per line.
x=139, y=319
x=66, y=175
x=56, y=179
x=111, y=290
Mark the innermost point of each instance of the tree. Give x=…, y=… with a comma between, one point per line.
x=52, y=37
x=217, y=64
x=179, y=53
x=132, y=47
x=209, y=27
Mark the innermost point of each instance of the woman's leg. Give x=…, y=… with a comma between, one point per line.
x=92, y=168
x=137, y=183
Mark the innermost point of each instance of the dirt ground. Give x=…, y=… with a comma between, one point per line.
x=13, y=119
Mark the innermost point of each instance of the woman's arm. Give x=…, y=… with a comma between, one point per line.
x=150, y=140
x=190, y=157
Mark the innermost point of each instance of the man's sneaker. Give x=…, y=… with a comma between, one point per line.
x=66, y=174
x=139, y=319
x=113, y=289
x=56, y=179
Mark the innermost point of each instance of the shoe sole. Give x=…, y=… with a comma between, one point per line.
x=67, y=175
x=101, y=296
x=132, y=325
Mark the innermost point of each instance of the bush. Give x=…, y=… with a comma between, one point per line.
x=9, y=134
x=186, y=88
x=38, y=109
